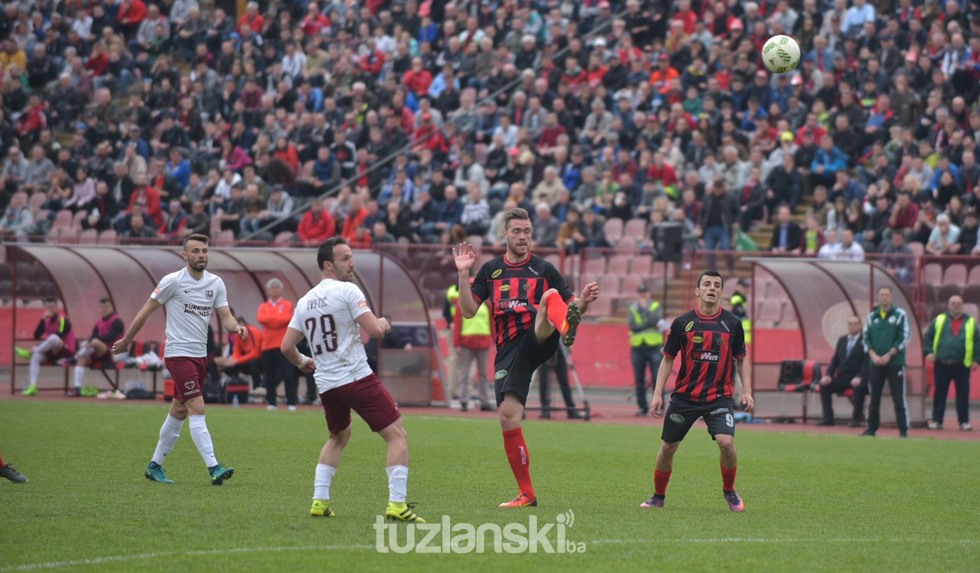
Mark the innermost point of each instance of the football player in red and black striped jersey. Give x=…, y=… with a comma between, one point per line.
x=532, y=307
x=710, y=343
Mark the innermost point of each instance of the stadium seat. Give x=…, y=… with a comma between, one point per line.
x=636, y=228
x=945, y=291
x=602, y=307
x=609, y=284
x=630, y=283
x=971, y=293
x=108, y=237
x=974, y=276
x=619, y=265
x=76, y=222
x=917, y=249
x=595, y=265
x=283, y=239
x=640, y=265
x=88, y=237
x=932, y=274
x=626, y=245
x=614, y=230
x=657, y=270
x=63, y=220
x=955, y=274
x=225, y=238
x=37, y=199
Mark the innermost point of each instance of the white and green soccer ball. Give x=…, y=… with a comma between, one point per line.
x=781, y=54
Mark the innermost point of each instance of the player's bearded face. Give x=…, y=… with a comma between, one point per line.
x=196, y=255
x=519, y=237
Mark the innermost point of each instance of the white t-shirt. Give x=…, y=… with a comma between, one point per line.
x=189, y=303
x=327, y=316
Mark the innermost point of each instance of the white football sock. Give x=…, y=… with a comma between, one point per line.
x=321, y=483
x=169, y=432
x=79, y=376
x=202, y=439
x=85, y=350
x=397, y=483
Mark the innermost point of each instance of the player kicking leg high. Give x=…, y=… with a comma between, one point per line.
x=329, y=316
x=532, y=307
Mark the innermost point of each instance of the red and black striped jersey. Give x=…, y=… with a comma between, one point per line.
x=513, y=292
x=708, y=347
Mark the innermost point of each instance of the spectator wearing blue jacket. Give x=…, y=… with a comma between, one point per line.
x=826, y=163
x=179, y=168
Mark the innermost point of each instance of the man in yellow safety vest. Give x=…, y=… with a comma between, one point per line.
x=646, y=324
x=449, y=313
x=950, y=344
x=472, y=338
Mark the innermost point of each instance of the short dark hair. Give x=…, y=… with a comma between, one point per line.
x=50, y=299
x=195, y=237
x=517, y=213
x=884, y=287
x=324, y=253
x=710, y=274
x=105, y=300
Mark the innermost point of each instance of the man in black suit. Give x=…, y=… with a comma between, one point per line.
x=787, y=236
x=848, y=369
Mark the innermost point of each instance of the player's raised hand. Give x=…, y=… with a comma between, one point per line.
x=591, y=292
x=465, y=257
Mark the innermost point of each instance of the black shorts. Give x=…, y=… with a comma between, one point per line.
x=516, y=362
x=681, y=414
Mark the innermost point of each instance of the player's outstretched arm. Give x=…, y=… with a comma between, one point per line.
x=589, y=294
x=465, y=257
x=230, y=323
x=292, y=354
x=123, y=344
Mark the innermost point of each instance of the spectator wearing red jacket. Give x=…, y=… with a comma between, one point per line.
x=316, y=226
x=149, y=197
x=355, y=217
x=252, y=17
x=130, y=15
x=418, y=79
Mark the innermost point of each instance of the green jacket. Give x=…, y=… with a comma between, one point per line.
x=882, y=333
x=951, y=348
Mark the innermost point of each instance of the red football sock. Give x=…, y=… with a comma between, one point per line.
x=520, y=459
x=728, y=478
x=2, y=464
x=660, y=480
x=557, y=309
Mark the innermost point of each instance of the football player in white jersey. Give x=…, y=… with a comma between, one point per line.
x=331, y=317
x=190, y=295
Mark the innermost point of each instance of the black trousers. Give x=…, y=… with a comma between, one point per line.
x=278, y=369
x=560, y=367
x=839, y=384
x=643, y=357
x=895, y=377
x=959, y=375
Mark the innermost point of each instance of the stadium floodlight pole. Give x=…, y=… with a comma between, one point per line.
x=408, y=146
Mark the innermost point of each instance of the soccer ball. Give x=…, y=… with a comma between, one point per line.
x=781, y=54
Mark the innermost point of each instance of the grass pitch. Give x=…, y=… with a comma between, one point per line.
x=813, y=502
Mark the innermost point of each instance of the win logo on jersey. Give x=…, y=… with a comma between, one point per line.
x=711, y=356
x=507, y=303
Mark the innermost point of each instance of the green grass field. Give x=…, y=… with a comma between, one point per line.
x=813, y=502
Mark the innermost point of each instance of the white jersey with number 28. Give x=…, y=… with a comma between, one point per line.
x=327, y=316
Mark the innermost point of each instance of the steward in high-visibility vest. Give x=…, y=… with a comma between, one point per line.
x=472, y=338
x=950, y=343
x=738, y=301
x=646, y=343
x=449, y=309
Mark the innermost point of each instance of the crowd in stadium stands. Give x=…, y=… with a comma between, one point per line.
x=425, y=120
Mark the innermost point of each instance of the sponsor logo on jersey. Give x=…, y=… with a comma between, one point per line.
x=697, y=339
x=496, y=273
x=500, y=375
x=718, y=411
x=712, y=356
x=189, y=384
x=689, y=326
x=197, y=309
x=504, y=288
x=677, y=418
x=209, y=293
x=511, y=303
